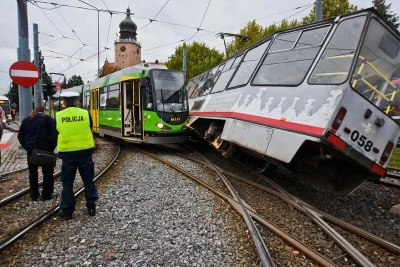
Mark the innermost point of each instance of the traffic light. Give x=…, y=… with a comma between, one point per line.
x=48, y=90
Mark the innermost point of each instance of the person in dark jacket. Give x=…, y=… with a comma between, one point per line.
x=39, y=131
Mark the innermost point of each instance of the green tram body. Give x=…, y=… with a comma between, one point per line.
x=143, y=104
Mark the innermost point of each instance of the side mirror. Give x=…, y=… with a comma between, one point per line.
x=150, y=106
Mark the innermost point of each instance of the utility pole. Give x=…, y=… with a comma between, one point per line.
x=184, y=61
x=318, y=10
x=25, y=94
x=38, y=85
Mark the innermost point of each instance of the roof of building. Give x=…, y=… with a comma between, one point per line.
x=127, y=25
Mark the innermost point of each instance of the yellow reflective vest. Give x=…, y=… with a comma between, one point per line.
x=74, y=133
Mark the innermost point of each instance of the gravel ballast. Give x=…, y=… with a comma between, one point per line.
x=148, y=215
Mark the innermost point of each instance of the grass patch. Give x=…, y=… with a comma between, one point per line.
x=394, y=161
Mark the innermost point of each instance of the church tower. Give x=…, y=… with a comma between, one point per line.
x=127, y=48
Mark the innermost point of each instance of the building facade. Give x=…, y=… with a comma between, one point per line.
x=127, y=48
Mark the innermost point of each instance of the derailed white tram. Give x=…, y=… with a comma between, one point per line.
x=320, y=99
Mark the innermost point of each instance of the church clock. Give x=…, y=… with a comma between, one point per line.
x=122, y=49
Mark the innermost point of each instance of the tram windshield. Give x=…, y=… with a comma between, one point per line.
x=376, y=75
x=5, y=104
x=170, y=91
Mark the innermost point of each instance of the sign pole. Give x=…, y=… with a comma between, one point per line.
x=38, y=85
x=25, y=94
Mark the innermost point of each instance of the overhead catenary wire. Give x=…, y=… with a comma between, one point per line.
x=50, y=20
x=69, y=58
x=70, y=27
x=118, y=13
x=201, y=23
x=151, y=20
x=58, y=53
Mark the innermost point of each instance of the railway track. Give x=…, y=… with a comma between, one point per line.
x=21, y=193
x=17, y=234
x=322, y=219
x=242, y=208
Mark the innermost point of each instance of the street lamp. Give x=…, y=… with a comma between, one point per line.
x=223, y=34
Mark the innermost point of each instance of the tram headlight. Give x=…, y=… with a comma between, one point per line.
x=162, y=126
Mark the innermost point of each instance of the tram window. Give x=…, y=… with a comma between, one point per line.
x=288, y=67
x=334, y=64
x=312, y=37
x=86, y=101
x=284, y=41
x=375, y=76
x=248, y=65
x=113, y=100
x=190, y=86
x=225, y=76
x=103, y=97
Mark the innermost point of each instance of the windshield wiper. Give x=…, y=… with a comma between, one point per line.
x=171, y=108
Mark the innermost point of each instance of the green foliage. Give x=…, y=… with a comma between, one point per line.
x=64, y=84
x=257, y=32
x=199, y=58
x=107, y=69
x=385, y=11
x=394, y=161
x=331, y=8
x=253, y=30
x=74, y=81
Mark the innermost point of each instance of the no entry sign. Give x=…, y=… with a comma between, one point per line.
x=24, y=73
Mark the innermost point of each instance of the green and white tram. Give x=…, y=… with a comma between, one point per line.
x=143, y=103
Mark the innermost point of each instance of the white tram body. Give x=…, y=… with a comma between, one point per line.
x=318, y=99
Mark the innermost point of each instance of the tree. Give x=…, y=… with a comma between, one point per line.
x=74, y=81
x=64, y=84
x=199, y=58
x=108, y=68
x=253, y=30
x=385, y=11
x=331, y=8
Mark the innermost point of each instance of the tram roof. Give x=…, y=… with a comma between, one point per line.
x=306, y=26
x=2, y=97
x=133, y=71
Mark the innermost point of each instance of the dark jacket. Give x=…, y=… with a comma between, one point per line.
x=46, y=137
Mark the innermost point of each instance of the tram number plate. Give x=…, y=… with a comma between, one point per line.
x=362, y=141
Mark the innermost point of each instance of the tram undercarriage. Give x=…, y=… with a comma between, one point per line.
x=315, y=163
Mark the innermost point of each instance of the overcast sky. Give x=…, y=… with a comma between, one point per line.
x=220, y=14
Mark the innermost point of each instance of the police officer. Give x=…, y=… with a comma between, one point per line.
x=75, y=146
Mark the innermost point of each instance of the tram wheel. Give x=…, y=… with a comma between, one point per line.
x=228, y=150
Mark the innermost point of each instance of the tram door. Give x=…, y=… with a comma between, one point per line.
x=94, y=108
x=131, y=109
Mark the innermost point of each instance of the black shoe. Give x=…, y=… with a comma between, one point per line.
x=92, y=211
x=34, y=198
x=53, y=196
x=64, y=216
x=2, y=179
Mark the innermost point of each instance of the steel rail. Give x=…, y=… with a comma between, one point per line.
x=262, y=249
x=14, y=171
x=236, y=205
x=25, y=191
x=389, y=184
x=6, y=243
x=354, y=253
x=293, y=202
x=22, y=192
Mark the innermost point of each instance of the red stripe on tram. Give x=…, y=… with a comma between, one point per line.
x=303, y=128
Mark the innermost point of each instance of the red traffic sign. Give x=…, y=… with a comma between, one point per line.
x=24, y=73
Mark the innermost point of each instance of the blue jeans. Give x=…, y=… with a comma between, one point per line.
x=85, y=165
